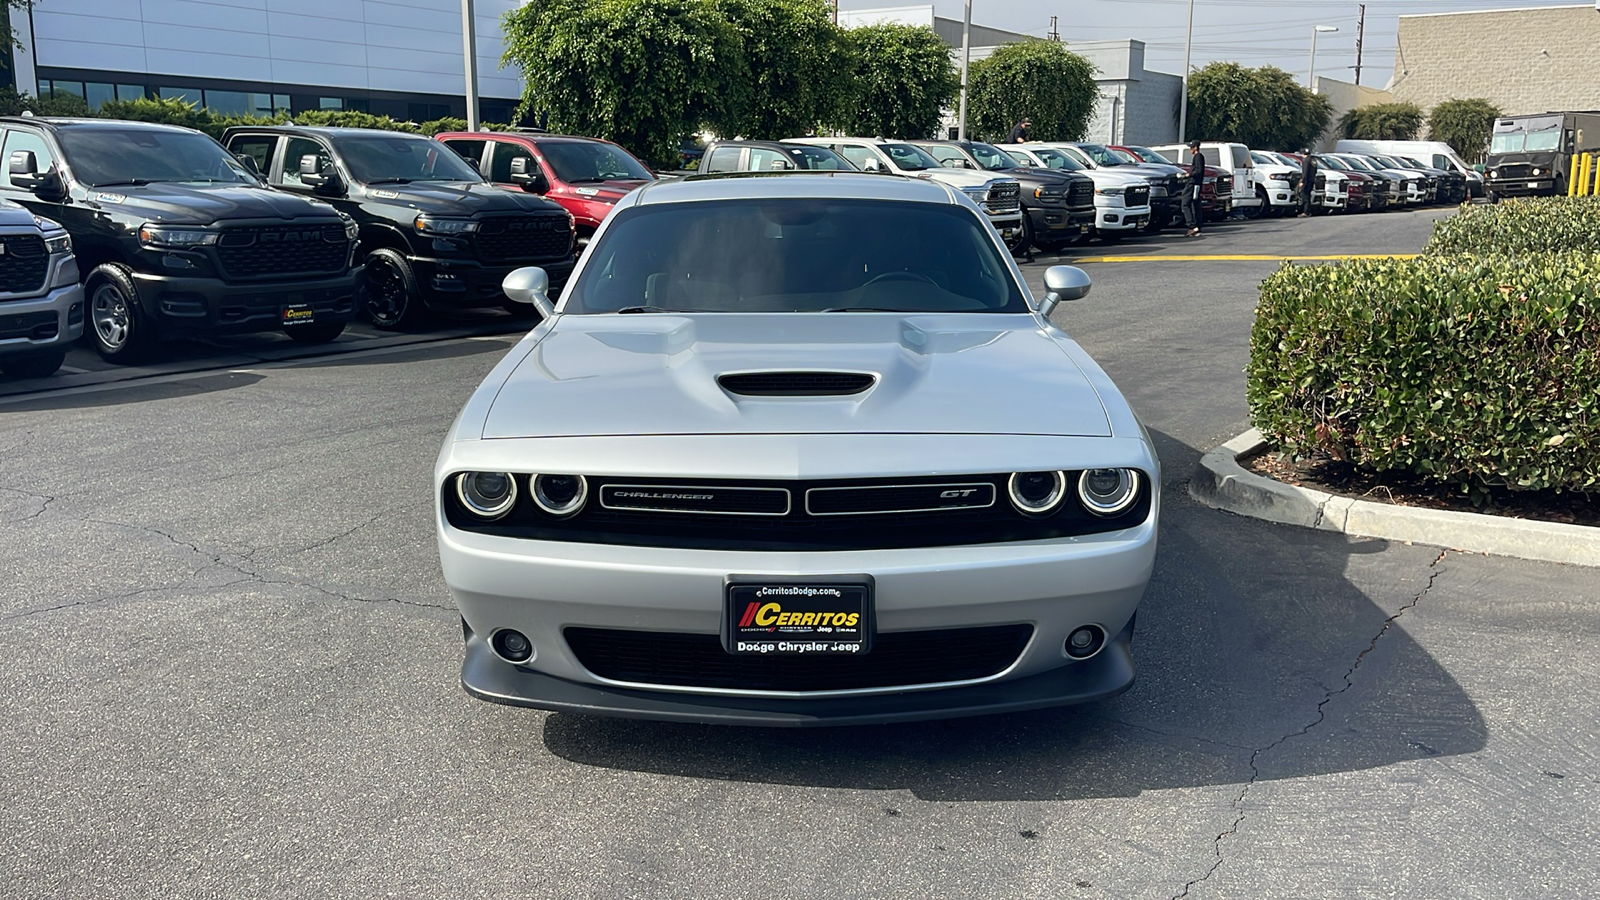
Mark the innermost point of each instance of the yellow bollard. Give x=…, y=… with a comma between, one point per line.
x=1594, y=182
x=1572, y=176
x=1583, y=175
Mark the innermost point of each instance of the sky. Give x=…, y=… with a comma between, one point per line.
x=1250, y=32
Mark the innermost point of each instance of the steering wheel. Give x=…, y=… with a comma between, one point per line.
x=902, y=275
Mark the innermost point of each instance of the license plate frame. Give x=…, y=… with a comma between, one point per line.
x=750, y=623
x=291, y=315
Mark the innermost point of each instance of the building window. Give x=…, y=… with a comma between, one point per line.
x=186, y=94
x=130, y=91
x=97, y=93
x=330, y=103
x=427, y=112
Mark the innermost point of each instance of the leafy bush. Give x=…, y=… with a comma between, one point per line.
x=1038, y=80
x=1382, y=122
x=1519, y=226
x=1474, y=372
x=1262, y=107
x=1465, y=125
x=901, y=80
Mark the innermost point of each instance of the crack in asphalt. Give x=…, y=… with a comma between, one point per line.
x=1167, y=734
x=1349, y=676
x=354, y=528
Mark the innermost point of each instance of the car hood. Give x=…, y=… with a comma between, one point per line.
x=458, y=198
x=963, y=177
x=203, y=204
x=656, y=374
x=602, y=191
x=12, y=215
x=1115, y=178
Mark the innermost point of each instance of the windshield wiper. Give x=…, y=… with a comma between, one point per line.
x=645, y=309
x=390, y=181
x=134, y=182
x=865, y=309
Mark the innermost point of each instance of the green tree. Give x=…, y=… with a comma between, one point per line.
x=643, y=73
x=1038, y=80
x=901, y=80
x=1382, y=122
x=1263, y=107
x=794, y=53
x=1465, y=125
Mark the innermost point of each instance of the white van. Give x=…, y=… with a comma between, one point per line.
x=1437, y=154
x=1236, y=159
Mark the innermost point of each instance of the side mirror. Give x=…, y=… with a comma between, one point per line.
x=873, y=165
x=324, y=181
x=1063, y=284
x=533, y=183
x=24, y=169
x=249, y=162
x=530, y=285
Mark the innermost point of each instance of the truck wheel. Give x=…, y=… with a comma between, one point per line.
x=1261, y=209
x=315, y=333
x=40, y=365
x=389, y=290
x=118, y=327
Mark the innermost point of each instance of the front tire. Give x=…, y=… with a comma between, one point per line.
x=41, y=365
x=117, y=325
x=1263, y=207
x=389, y=291
x=1023, y=242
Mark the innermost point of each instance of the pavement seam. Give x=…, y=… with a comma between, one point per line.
x=1349, y=676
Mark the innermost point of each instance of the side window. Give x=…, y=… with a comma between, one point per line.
x=500, y=165
x=858, y=156
x=297, y=148
x=1440, y=161
x=722, y=159
x=258, y=147
x=471, y=151
x=764, y=160
x=947, y=155
x=25, y=140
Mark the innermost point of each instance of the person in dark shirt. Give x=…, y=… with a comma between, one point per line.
x=1308, y=178
x=1019, y=132
x=1197, y=176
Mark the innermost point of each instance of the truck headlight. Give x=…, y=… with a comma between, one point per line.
x=169, y=237
x=351, y=229
x=1538, y=171
x=58, y=243
x=978, y=194
x=443, y=225
x=1110, y=191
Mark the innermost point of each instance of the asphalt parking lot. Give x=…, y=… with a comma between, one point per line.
x=231, y=670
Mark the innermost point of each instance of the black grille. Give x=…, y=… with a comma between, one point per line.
x=1082, y=194
x=796, y=384
x=1515, y=170
x=256, y=251
x=1224, y=184
x=1137, y=196
x=715, y=500
x=897, y=659
x=521, y=238
x=1004, y=197
x=898, y=498
x=22, y=264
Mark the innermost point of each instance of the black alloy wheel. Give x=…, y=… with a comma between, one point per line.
x=116, y=325
x=389, y=290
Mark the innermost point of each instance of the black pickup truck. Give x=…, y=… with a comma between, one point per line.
x=434, y=233
x=1057, y=206
x=175, y=237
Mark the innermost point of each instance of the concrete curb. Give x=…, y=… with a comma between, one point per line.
x=1220, y=482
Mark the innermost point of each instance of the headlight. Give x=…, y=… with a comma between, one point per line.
x=60, y=243
x=1277, y=176
x=978, y=194
x=560, y=495
x=1494, y=173
x=166, y=236
x=1538, y=171
x=487, y=495
x=441, y=225
x=351, y=229
x=1037, y=493
x=1106, y=492
x=1110, y=191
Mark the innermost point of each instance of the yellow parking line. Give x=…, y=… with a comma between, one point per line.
x=1244, y=258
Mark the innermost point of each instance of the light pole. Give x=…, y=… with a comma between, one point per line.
x=1183, y=104
x=1311, y=72
x=470, y=51
x=966, y=63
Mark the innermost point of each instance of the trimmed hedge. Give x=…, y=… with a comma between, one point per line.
x=1528, y=225
x=189, y=115
x=1467, y=371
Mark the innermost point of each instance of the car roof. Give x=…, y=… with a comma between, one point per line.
x=798, y=184
x=324, y=130
x=68, y=122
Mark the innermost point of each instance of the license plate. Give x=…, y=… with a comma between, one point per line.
x=299, y=314
x=1083, y=229
x=799, y=618
x=1534, y=184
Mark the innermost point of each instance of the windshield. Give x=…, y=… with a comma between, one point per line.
x=101, y=157
x=1100, y=155
x=1359, y=164
x=909, y=158
x=400, y=159
x=819, y=158
x=578, y=162
x=796, y=255
x=1264, y=159
x=1334, y=162
x=993, y=158
x=1055, y=159
x=1148, y=155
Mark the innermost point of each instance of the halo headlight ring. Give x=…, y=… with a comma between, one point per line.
x=1050, y=503
x=558, y=505
x=1101, y=502
x=483, y=499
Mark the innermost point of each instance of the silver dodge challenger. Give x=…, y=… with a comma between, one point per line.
x=797, y=449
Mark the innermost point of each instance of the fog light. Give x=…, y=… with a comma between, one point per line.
x=511, y=646
x=1085, y=642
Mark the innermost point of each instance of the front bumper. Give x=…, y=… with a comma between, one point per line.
x=211, y=306
x=1007, y=223
x=465, y=283
x=42, y=323
x=1523, y=187
x=1122, y=218
x=1059, y=222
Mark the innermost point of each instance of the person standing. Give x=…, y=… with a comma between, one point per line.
x=1020, y=131
x=1192, y=213
x=1308, y=178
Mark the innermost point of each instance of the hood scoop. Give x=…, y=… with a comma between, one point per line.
x=796, y=384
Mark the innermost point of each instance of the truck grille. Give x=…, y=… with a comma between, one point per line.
x=1004, y=197
x=1081, y=195
x=897, y=659
x=1137, y=196
x=521, y=238
x=260, y=250
x=23, y=262
x=1515, y=170
x=1224, y=184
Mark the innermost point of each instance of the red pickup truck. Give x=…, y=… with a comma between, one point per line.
x=587, y=176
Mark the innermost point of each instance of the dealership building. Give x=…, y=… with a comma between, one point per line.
x=401, y=58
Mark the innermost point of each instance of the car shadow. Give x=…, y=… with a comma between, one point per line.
x=1264, y=652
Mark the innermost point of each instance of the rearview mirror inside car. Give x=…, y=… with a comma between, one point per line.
x=530, y=285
